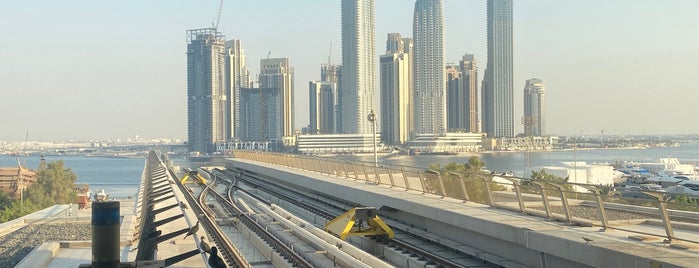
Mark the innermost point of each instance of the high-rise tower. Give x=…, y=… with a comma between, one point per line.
x=534, y=107
x=259, y=114
x=409, y=49
x=277, y=74
x=358, y=66
x=455, y=99
x=395, y=91
x=236, y=76
x=462, y=90
x=498, y=90
x=322, y=101
x=333, y=73
x=207, y=117
x=429, y=73
x=394, y=43
x=469, y=69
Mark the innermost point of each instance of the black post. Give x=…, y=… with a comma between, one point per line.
x=106, y=225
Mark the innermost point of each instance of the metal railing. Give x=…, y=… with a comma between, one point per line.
x=573, y=203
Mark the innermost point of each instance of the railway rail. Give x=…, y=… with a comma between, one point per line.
x=329, y=209
x=228, y=252
x=246, y=220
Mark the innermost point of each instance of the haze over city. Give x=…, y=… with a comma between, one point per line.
x=79, y=69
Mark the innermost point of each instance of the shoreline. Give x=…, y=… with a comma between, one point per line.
x=388, y=155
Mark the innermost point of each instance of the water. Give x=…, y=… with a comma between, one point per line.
x=119, y=177
x=517, y=161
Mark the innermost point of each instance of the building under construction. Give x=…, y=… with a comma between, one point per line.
x=12, y=179
x=207, y=122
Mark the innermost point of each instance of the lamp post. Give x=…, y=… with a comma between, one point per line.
x=372, y=118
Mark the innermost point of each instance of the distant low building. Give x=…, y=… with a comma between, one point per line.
x=11, y=180
x=447, y=143
x=336, y=144
x=579, y=172
x=670, y=166
x=520, y=144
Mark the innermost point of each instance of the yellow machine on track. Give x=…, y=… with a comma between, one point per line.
x=193, y=174
x=360, y=221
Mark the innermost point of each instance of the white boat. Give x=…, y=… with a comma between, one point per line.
x=101, y=195
x=670, y=167
x=687, y=187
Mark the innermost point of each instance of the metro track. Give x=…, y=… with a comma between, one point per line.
x=239, y=216
x=227, y=251
x=329, y=208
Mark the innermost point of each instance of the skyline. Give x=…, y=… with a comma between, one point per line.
x=105, y=70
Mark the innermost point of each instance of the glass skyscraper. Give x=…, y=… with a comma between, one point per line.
x=322, y=101
x=277, y=74
x=534, y=107
x=429, y=73
x=498, y=90
x=395, y=77
x=236, y=76
x=358, y=66
x=462, y=89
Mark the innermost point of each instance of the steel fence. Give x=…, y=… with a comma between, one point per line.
x=600, y=206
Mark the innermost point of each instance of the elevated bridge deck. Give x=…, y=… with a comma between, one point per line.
x=509, y=238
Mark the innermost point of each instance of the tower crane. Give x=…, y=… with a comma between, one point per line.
x=218, y=18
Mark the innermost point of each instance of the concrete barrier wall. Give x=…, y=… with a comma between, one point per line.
x=40, y=256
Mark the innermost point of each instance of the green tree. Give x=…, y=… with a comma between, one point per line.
x=5, y=200
x=542, y=176
x=55, y=185
x=474, y=164
x=684, y=202
x=18, y=209
x=452, y=176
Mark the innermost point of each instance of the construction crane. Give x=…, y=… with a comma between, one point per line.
x=218, y=18
x=330, y=53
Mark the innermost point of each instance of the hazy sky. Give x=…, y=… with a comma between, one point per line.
x=106, y=69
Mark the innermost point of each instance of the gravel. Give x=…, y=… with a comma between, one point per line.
x=592, y=213
x=16, y=245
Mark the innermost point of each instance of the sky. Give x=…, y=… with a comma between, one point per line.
x=115, y=69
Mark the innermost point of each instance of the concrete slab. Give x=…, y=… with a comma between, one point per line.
x=71, y=257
